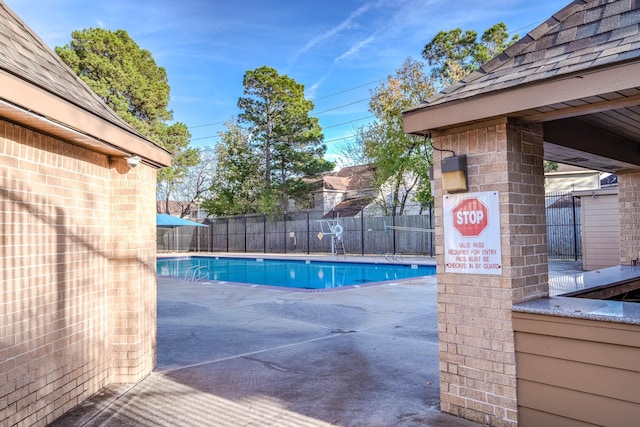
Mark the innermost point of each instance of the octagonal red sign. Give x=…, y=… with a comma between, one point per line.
x=470, y=217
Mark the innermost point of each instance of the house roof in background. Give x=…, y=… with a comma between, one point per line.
x=350, y=178
x=349, y=208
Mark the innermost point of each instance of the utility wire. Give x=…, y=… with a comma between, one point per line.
x=513, y=32
x=317, y=99
x=341, y=106
x=325, y=127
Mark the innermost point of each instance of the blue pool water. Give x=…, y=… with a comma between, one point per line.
x=291, y=274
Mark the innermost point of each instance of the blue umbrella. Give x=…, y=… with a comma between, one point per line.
x=170, y=221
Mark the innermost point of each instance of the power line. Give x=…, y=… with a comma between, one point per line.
x=348, y=90
x=341, y=106
x=346, y=123
x=208, y=124
x=339, y=139
x=513, y=32
x=326, y=127
x=317, y=99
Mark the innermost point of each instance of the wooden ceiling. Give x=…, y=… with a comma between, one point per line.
x=599, y=132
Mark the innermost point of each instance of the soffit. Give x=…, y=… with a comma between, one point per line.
x=48, y=95
x=579, y=70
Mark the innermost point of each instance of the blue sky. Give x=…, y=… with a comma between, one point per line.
x=339, y=50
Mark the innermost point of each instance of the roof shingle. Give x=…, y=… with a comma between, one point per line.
x=584, y=34
x=24, y=55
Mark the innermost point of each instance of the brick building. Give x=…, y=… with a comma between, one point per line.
x=77, y=240
x=569, y=91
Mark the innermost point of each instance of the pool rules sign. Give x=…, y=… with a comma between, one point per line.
x=472, y=233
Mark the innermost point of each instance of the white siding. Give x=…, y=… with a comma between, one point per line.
x=600, y=231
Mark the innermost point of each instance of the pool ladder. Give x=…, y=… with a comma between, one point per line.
x=196, y=273
x=391, y=257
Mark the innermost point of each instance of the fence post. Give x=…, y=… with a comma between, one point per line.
x=245, y=233
x=308, y=234
x=284, y=219
x=227, y=234
x=362, y=231
x=264, y=233
x=393, y=230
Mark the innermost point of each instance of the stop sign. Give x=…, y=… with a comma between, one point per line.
x=470, y=217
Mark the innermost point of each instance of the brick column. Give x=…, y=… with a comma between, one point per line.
x=132, y=284
x=477, y=356
x=628, y=195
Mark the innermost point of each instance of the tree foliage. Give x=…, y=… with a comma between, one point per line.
x=238, y=186
x=453, y=54
x=289, y=140
x=402, y=161
x=129, y=81
x=352, y=152
x=193, y=188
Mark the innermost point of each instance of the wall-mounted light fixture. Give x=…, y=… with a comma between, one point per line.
x=133, y=161
x=454, y=174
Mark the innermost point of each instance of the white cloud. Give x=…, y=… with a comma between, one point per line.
x=311, y=91
x=334, y=31
x=355, y=49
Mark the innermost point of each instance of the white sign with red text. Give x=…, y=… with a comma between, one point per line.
x=472, y=233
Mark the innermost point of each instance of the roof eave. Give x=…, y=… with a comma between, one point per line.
x=425, y=118
x=32, y=107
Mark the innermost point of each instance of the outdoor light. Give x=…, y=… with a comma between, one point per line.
x=454, y=174
x=133, y=161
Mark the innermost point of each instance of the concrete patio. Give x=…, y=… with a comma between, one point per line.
x=252, y=356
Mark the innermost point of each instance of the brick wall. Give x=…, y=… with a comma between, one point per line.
x=477, y=356
x=628, y=196
x=132, y=258
x=60, y=266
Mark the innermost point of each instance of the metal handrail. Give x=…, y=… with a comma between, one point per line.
x=397, y=257
x=196, y=273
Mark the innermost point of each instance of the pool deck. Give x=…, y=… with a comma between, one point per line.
x=251, y=356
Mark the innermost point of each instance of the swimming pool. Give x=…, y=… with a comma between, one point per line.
x=287, y=273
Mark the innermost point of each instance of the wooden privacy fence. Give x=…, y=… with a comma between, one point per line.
x=297, y=232
x=304, y=233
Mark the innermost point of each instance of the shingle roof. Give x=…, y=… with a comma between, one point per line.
x=349, y=208
x=586, y=34
x=351, y=178
x=24, y=55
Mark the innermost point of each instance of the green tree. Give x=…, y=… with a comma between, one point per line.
x=290, y=140
x=129, y=81
x=352, y=152
x=238, y=185
x=453, y=54
x=402, y=161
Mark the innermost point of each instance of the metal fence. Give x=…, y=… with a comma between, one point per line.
x=564, y=233
x=305, y=233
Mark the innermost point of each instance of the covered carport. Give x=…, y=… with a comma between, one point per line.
x=567, y=92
